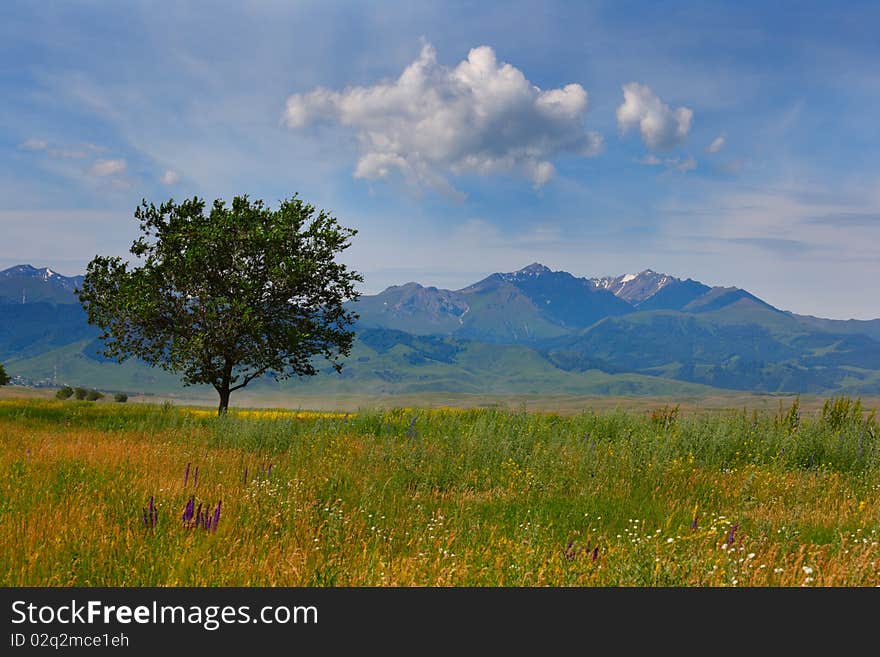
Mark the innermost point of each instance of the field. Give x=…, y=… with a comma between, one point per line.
x=436, y=497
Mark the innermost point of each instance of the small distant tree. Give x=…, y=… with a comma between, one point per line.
x=94, y=395
x=80, y=393
x=64, y=393
x=120, y=397
x=227, y=296
x=4, y=377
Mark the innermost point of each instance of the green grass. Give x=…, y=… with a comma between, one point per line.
x=410, y=496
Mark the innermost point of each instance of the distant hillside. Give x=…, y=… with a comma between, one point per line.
x=534, y=331
x=26, y=284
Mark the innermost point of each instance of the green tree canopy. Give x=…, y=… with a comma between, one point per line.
x=4, y=377
x=228, y=296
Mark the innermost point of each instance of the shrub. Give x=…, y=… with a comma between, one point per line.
x=93, y=395
x=80, y=393
x=121, y=397
x=665, y=417
x=842, y=411
x=65, y=393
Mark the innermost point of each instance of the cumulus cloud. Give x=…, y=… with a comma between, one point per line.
x=660, y=126
x=170, y=177
x=716, y=145
x=481, y=116
x=103, y=168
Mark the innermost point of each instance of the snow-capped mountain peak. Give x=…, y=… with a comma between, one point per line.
x=634, y=288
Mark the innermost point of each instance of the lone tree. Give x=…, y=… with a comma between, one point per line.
x=225, y=297
x=4, y=377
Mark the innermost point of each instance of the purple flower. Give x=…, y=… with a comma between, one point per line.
x=731, y=534
x=216, y=516
x=150, y=514
x=269, y=471
x=245, y=474
x=596, y=553
x=694, y=522
x=188, y=509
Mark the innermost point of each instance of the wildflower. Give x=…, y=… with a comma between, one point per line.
x=732, y=533
x=807, y=570
x=151, y=517
x=694, y=523
x=216, y=517
x=189, y=509
x=596, y=553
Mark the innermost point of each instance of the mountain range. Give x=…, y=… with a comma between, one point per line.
x=533, y=331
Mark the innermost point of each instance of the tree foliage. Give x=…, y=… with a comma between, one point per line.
x=227, y=296
x=4, y=377
x=64, y=393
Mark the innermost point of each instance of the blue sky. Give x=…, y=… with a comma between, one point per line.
x=737, y=144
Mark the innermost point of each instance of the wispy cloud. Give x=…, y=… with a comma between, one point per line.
x=681, y=165
x=774, y=244
x=846, y=219
x=671, y=163
x=482, y=116
x=660, y=126
x=34, y=145
x=103, y=168
x=717, y=144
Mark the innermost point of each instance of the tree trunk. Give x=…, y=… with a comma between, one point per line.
x=223, y=389
x=224, y=399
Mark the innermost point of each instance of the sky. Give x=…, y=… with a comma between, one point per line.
x=734, y=143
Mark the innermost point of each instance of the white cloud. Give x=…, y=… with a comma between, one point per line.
x=651, y=160
x=34, y=145
x=60, y=152
x=660, y=126
x=103, y=168
x=481, y=116
x=170, y=177
x=716, y=145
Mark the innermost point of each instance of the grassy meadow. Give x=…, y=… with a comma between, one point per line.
x=438, y=497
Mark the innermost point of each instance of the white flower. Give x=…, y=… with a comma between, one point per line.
x=807, y=570
x=670, y=540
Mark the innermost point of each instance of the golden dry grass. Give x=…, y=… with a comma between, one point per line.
x=413, y=497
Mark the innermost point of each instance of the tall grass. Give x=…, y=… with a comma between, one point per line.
x=442, y=497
